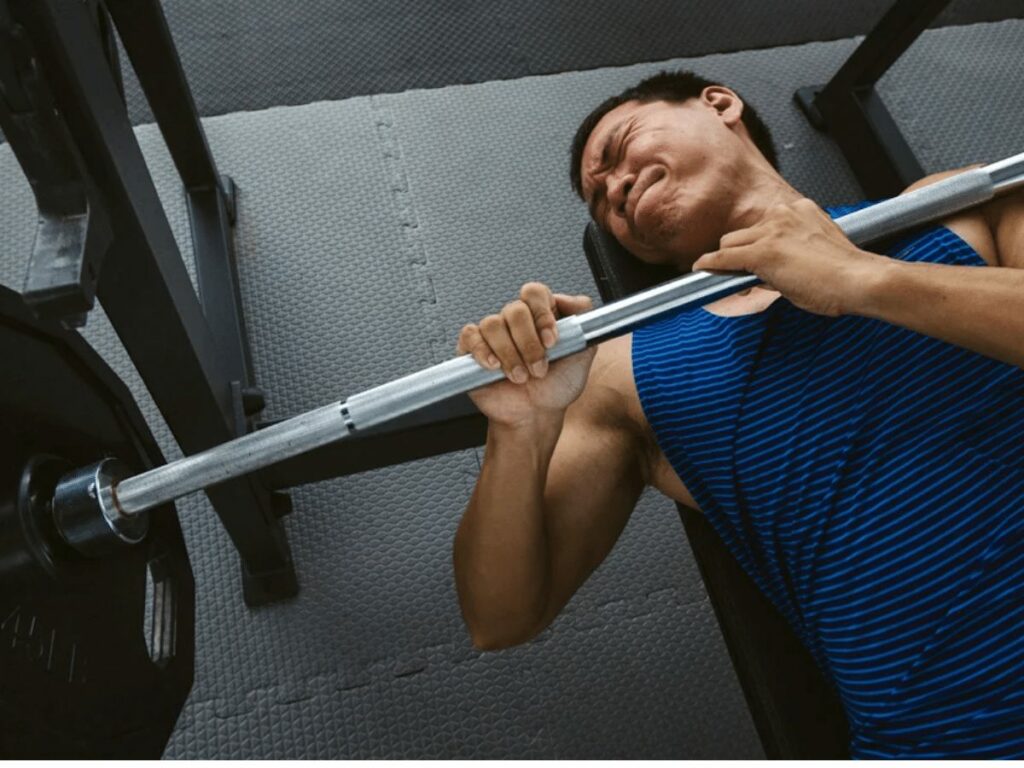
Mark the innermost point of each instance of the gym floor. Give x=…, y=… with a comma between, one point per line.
x=402, y=170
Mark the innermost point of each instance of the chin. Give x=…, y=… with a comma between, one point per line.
x=671, y=244
x=684, y=263
x=650, y=254
x=663, y=258
x=681, y=255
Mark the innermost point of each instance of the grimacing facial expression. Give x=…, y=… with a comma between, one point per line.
x=660, y=176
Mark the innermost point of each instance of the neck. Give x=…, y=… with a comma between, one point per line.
x=760, y=189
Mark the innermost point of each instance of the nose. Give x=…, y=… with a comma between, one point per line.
x=619, y=185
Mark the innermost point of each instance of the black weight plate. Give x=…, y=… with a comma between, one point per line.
x=96, y=655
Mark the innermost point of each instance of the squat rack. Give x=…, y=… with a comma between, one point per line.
x=103, y=234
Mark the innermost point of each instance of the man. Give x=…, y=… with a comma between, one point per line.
x=853, y=429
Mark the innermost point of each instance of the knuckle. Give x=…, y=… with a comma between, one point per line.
x=531, y=347
x=533, y=290
x=517, y=312
x=491, y=324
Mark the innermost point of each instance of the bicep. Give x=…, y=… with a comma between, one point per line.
x=1008, y=229
x=594, y=481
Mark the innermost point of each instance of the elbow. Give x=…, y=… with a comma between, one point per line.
x=495, y=639
x=497, y=632
x=483, y=641
x=499, y=615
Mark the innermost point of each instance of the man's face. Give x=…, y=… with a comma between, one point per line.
x=660, y=176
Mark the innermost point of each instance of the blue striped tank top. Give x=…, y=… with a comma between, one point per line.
x=871, y=481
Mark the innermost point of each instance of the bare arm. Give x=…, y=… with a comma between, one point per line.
x=556, y=488
x=980, y=309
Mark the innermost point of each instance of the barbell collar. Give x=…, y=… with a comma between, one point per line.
x=86, y=514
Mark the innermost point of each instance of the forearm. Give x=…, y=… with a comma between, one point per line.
x=501, y=558
x=980, y=308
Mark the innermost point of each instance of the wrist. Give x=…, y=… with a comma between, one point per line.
x=872, y=282
x=528, y=445
x=538, y=424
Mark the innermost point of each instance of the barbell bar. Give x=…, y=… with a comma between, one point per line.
x=112, y=501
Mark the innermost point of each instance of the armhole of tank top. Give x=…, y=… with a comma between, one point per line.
x=834, y=211
x=971, y=250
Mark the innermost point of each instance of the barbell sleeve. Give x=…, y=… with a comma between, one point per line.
x=462, y=374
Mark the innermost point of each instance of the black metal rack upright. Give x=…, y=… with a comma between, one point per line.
x=103, y=232
x=853, y=113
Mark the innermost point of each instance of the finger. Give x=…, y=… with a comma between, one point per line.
x=472, y=342
x=539, y=299
x=740, y=259
x=496, y=334
x=739, y=237
x=572, y=305
x=521, y=325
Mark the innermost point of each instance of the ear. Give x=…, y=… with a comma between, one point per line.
x=725, y=102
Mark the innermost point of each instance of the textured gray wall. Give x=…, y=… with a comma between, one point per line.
x=369, y=230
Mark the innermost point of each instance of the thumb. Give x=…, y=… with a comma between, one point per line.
x=572, y=305
x=712, y=260
x=737, y=259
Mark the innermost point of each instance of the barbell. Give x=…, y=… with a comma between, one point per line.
x=102, y=505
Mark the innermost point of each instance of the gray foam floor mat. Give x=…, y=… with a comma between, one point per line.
x=252, y=54
x=369, y=231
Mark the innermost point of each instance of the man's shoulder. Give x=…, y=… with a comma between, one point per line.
x=610, y=398
x=610, y=402
x=1006, y=221
x=611, y=408
x=973, y=226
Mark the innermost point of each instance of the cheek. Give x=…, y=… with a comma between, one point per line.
x=663, y=211
x=651, y=150
x=682, y=228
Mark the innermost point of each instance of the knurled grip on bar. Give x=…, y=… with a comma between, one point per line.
x=925, y=204
x=298, y=434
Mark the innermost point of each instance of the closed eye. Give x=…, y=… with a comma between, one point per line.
x=620, y=145
x=611, y=156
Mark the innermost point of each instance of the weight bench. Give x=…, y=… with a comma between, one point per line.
x=796, y=711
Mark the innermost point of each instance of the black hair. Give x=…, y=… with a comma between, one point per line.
x=664, y=86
